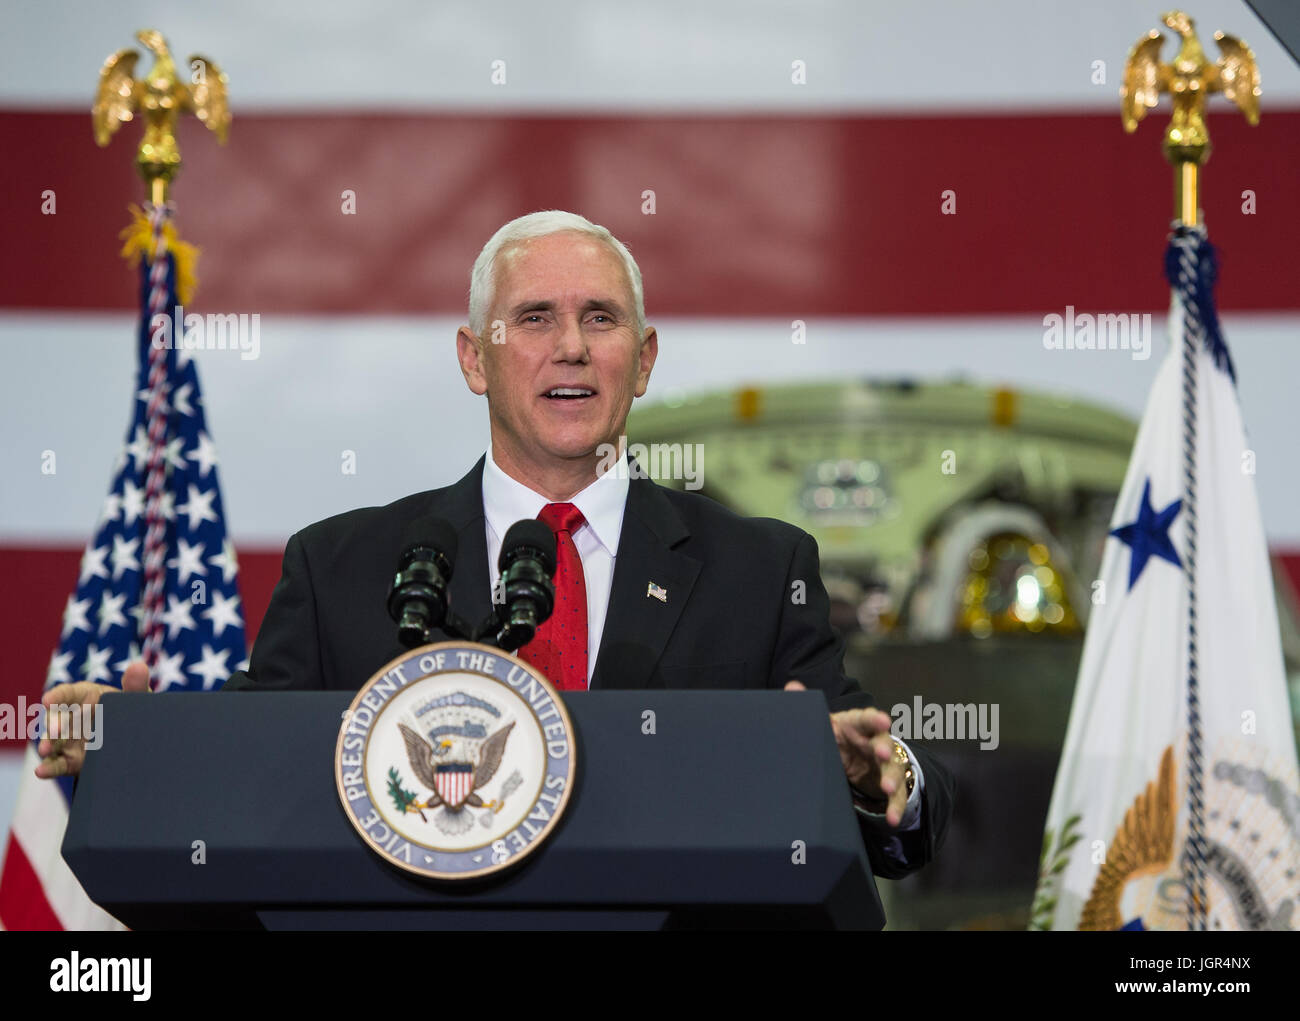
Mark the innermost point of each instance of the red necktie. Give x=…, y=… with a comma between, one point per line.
x=559, y=648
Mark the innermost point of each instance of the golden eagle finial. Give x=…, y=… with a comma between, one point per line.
x=1189, y=80
x=161, y=96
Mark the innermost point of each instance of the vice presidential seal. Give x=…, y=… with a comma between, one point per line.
x=455, y=760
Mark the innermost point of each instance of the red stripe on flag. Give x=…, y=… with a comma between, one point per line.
x=1290, y=562
x=756, y=215
x=23, y=906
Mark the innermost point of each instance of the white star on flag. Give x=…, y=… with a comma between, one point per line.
x=181, y=399
x=226, y=560
x=204, y=454
x=169, y=671
x=224, y=612
x=123, y=556
x=188, y=561
x=138, y=448
x=212, y=667
x=173, y=454
x=132, y=502
x=74, y=616
x=112, y=508
x=177, y=616
x=58, y=671
x=96, y=666
x=199, y=506
x=110, y=612
x=92, y=564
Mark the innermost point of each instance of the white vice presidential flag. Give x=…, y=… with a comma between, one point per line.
x=1176, y=801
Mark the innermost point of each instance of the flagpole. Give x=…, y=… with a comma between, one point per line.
x=1187, y=208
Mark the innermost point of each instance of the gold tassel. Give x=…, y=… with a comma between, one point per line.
x=138, y=241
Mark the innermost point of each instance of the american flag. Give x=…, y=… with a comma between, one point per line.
x=196, y=621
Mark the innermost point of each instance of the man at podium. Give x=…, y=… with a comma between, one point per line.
x=655, y=587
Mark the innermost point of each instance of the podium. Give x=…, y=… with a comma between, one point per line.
x=692, y=809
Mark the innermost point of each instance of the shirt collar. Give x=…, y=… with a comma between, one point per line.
x=602, y=503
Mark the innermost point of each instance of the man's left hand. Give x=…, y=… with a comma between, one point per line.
x=867, y=754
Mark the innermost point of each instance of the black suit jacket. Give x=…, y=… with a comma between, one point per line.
x=733, y=617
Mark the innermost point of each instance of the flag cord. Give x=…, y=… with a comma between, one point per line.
x=1190, y=242
x=154, y=544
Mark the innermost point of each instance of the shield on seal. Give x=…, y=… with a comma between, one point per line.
x=455, y=782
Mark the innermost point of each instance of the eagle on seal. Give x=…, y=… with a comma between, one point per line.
x=455, y=781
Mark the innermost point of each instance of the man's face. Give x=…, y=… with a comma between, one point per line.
x=569, y=324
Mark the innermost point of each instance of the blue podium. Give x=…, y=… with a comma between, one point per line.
x=733, y=813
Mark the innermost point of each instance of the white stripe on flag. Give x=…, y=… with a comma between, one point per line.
x=40, y=818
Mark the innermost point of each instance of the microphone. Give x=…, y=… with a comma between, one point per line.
x=527, y=562
x=418, y=599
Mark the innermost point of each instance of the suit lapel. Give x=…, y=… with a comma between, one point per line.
x=638, y=625
x=470, y=591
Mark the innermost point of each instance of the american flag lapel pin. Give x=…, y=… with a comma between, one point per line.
x=658, y=593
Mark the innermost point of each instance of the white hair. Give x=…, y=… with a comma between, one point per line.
x=482, y=278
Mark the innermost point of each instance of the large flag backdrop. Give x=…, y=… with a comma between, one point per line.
x=347, y=209
x=158, y=579
x=1176, y=803
x=821, y=201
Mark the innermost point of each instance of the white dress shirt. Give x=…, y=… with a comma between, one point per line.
x=602, y=503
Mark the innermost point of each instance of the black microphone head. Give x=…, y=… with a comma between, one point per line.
x=528, y=534
x=417, y=600
x=431, y=533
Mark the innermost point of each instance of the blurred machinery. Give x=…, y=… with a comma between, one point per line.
x=959, y=529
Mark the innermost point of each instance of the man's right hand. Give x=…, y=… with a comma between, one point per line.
x=64, y=757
